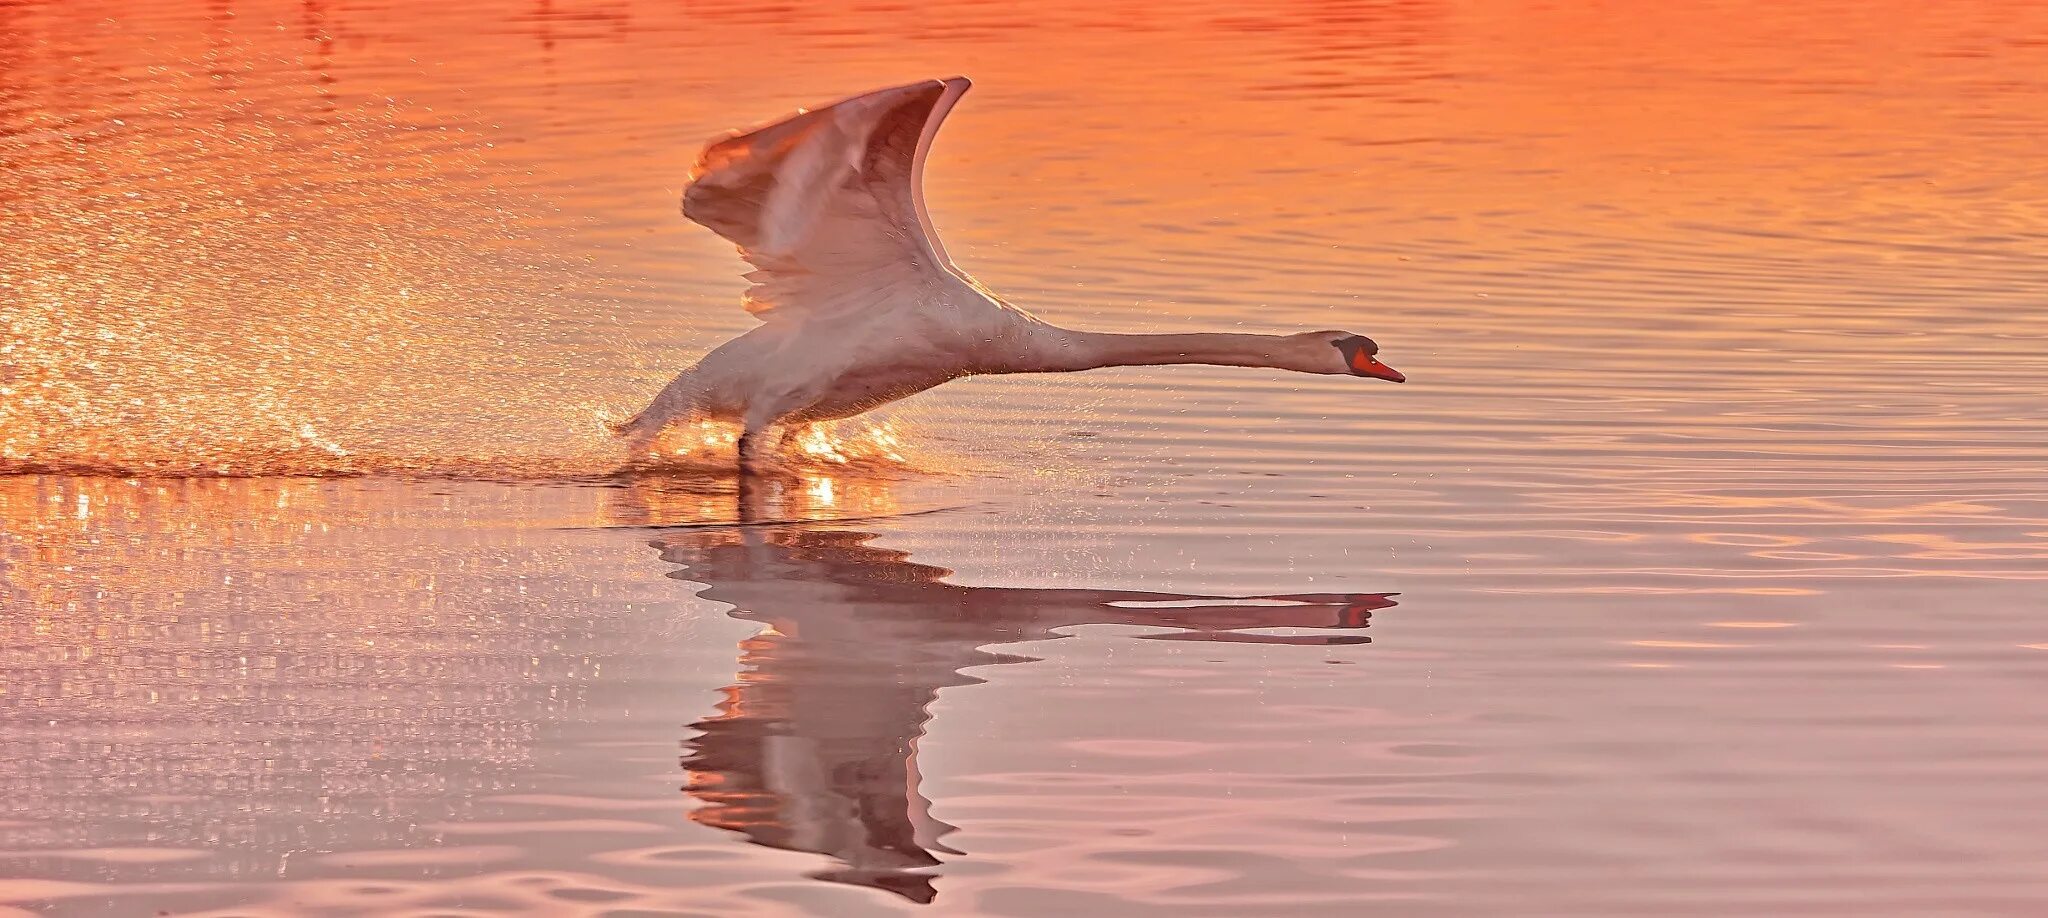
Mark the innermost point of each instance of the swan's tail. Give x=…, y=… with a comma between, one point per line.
x=671, y=404
x=626, y=427
x=640, y=430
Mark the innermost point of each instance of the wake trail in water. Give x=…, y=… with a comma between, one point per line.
x=772, y=522
x=259, y=464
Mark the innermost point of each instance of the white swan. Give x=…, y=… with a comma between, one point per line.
x=858, y=302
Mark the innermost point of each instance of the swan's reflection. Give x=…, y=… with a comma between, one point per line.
x=814, y=747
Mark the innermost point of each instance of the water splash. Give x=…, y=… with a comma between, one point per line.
x=234, y=273
x=273, y=281
x=868, y=444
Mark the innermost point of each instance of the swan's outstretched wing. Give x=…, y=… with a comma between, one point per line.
x=828, y=205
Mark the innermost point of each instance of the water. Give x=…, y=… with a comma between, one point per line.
x=1715, y=508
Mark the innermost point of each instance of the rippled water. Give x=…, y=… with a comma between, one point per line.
x=1717, y=507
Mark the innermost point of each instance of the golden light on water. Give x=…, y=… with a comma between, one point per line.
x=867, y=441
x=242, y=284
x=215, y=289
x=229, y=276
x=698, y=438
x=873, y=443
x=1727, y=402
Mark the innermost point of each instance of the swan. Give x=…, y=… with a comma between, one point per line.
x=859, y=304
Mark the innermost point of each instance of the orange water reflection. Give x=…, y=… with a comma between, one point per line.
x=1722, y=314
x=814, y=747
x=460, y=260
x=205, y=664
x=219, y=674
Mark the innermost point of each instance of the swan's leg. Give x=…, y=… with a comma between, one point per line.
x=758, y=440
x=750, y=452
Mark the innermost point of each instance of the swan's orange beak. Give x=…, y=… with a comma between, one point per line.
x=1361, y=355
x=1365, y=364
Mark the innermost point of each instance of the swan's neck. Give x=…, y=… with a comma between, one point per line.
x=1066, y=350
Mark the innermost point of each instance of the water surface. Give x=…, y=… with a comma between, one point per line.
x=1715, y=508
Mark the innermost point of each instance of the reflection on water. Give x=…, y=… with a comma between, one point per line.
x=192, y=665
x=359, y=690
x=814, y=747
x=1723, y=484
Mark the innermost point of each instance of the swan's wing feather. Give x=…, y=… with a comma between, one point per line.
x=827, y=204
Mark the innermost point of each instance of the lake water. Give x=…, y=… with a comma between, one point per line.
x=1716, y=506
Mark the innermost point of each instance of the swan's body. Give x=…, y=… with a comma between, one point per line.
x=860, y=305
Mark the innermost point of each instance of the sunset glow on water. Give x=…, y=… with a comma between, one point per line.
x=1714, y=505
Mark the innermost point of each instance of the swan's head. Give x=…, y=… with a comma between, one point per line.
x=1341, y=352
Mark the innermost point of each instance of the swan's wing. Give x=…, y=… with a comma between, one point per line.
x=828, y=205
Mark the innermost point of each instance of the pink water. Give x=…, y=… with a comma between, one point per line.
x=1717, y=506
